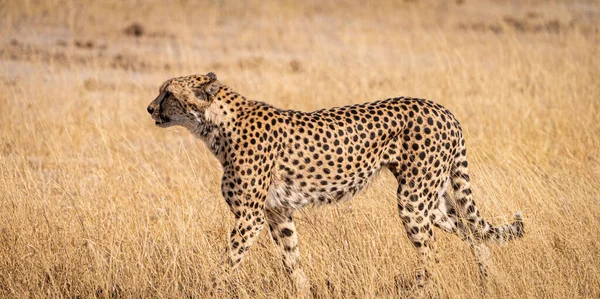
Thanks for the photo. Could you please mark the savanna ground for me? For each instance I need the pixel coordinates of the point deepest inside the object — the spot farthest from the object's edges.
(96, 201)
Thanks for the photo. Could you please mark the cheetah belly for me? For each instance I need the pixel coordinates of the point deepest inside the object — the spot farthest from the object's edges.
(285, 192)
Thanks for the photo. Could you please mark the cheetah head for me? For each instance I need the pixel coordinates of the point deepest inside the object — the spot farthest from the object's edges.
(183, 101)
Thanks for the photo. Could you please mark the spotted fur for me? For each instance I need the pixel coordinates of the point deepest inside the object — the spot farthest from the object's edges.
(277, 161)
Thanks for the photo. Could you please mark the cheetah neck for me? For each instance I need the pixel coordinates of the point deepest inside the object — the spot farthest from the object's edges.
(210, 133)
(223, 109)
(217, 120)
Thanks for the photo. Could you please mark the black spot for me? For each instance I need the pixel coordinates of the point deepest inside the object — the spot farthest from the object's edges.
(471, 209)
(287, 232)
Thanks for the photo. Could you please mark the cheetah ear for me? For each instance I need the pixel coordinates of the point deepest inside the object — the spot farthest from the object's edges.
(212, 87)
(212, 76)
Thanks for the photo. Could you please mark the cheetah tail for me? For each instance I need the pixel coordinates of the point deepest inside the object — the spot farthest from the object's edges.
(475, 225)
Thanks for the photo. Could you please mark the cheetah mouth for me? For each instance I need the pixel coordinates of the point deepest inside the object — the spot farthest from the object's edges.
(162, 121)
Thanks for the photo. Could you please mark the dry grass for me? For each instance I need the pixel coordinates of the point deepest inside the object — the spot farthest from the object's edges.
(95, 201)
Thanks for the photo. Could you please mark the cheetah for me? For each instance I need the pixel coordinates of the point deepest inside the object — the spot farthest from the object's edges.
(277, 161)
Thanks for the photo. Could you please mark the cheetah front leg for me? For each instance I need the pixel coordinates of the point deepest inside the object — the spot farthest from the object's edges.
(245, 193)
(283, 232)
(249, 223)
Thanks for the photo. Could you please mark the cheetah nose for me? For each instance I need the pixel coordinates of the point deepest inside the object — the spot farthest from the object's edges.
(150, 110)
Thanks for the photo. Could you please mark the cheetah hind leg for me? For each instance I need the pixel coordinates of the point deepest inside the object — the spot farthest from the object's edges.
(445, 218)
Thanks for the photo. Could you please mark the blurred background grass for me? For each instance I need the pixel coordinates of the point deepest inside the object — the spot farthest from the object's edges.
(95, 201)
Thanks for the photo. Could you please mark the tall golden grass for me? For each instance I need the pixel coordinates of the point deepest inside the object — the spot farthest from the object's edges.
(97, 202)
